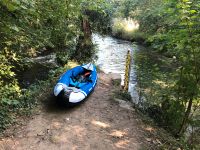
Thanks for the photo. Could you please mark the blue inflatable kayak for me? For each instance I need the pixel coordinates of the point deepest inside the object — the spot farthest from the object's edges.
(77, 83)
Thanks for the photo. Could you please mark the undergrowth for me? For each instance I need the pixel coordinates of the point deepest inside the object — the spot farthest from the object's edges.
(158, 138)
(25, 104)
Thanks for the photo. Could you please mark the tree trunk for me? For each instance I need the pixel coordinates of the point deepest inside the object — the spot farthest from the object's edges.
(185, 119)
(84, 46)
(86, 29)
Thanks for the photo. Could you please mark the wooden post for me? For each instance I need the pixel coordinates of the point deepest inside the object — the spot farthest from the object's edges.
(127, 71)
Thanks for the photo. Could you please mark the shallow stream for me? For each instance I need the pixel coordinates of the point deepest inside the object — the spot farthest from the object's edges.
(111, 54)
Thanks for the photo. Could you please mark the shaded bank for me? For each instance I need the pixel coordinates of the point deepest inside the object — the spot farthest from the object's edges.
(111, 53)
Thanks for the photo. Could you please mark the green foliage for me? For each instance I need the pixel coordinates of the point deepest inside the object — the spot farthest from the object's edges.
(62, 58)
(100, 22)
(24, 104)
(27, 28)
(156, 90)
(5, 118)
(173, 112)
(99, 15)
(172, 28)
(85, 50)
(9, 88)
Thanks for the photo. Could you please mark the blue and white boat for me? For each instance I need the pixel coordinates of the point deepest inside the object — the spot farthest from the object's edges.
(76, 84)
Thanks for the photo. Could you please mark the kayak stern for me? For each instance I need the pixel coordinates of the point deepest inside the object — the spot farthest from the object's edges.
(76, 97)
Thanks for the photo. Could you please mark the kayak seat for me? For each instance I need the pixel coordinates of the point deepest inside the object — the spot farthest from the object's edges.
(76, 83)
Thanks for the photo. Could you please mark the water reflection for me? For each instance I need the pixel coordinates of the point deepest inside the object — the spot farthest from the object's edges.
(112, 57)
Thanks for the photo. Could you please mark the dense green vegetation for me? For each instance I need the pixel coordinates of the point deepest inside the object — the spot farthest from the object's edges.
(172, 29)
(169, 82)
(28, 28)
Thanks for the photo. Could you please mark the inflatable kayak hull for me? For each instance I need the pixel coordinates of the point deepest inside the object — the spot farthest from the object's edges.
(73, 86)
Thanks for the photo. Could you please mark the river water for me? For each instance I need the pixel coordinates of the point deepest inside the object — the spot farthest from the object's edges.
(111, 54)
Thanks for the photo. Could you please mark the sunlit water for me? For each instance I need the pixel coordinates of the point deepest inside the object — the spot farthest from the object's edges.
(112, 58)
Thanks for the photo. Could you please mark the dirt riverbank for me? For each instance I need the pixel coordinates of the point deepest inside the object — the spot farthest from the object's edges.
(97, 124)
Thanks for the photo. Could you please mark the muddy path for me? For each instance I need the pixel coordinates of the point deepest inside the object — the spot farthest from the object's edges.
(98, 124)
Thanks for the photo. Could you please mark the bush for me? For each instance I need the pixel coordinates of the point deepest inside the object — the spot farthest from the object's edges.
(62, 58)
(85, 51)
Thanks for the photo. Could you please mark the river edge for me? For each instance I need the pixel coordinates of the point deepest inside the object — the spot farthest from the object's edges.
(121, 103)
(43, 123)
(46, 108)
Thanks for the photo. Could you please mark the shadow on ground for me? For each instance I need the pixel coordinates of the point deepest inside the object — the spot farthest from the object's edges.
(53, 105)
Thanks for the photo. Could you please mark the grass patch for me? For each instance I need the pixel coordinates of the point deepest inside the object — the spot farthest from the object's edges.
(120, 94)
(116, 82)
